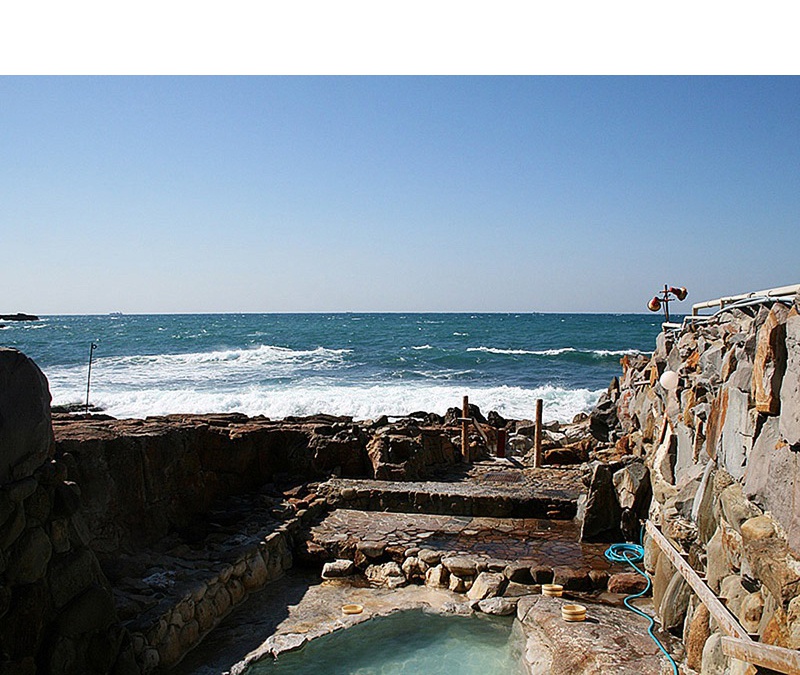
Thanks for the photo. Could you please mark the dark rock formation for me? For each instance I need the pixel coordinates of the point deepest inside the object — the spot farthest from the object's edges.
(601, 517)
(604, 416)
(19, 316)
(57, 612)
(26, 435)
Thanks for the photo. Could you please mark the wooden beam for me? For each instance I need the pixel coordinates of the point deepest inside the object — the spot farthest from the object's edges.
(481, 432)
(727, 621)
(777, 658)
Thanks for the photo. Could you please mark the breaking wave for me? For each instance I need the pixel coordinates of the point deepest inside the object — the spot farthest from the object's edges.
(360, 401)
(600, 353)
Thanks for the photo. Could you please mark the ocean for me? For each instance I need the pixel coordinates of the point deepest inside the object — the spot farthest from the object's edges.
(362, 365)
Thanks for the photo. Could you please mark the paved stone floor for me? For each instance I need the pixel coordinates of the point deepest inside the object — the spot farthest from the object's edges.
(528, 541)
(498, 477)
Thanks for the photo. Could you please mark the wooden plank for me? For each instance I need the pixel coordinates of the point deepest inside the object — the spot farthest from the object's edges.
(777, 658)
(727, 621)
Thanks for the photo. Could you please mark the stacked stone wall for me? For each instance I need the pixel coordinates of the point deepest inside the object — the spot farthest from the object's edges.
(141, 479)
(723, 449)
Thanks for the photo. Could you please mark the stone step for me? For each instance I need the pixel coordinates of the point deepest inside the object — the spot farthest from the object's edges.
(496, 494)
(369, 537)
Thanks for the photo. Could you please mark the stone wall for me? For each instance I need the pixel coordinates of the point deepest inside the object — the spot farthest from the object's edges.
(57, 612)
(723, 449)
(141, 479)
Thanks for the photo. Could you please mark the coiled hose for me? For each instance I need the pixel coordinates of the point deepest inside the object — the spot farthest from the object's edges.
(631, 554)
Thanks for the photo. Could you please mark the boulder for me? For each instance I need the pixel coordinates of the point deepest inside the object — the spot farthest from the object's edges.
(26, 432)
(735, 507)
(497, 606)
(770, 361)
(29, 558)
(714, 661)
(684, 453)
(572, 579)
(518, 573)
(770, 559)
(790, 387)
(337, 569)
(603, 418)
(388, 575)
(751, 611)
(487, 584)
(771, 480)
(702, 508)
(437, 577)
(460, 565)
(91, 611)
(698, 631)
(632, 485)
(601, 518)
(542, 574)
(626, 583)
(737, 433)
(675, 602)
(733, 592)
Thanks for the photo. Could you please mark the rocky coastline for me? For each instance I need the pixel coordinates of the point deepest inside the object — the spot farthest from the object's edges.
(143, 536)
(19, 316)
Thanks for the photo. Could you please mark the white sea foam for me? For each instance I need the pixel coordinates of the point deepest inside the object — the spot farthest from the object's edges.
(361, 401)
(555, 352)
(522, 352)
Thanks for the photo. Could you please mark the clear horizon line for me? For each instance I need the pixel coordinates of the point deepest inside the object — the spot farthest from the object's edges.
(393, 311)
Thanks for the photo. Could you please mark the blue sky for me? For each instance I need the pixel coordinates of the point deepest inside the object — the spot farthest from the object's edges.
(193, 194)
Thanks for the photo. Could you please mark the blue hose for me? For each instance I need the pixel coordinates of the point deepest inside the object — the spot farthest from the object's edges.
(631, 554)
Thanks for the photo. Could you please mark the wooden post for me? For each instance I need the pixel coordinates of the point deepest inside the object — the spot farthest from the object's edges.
(537, 437)
(465, 430)
(501, 442)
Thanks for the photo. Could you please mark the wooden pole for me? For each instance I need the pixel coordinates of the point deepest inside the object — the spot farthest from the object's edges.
(465, 430)
(537, 438)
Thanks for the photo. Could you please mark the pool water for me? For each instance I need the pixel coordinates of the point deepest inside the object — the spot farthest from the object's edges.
(409, 642)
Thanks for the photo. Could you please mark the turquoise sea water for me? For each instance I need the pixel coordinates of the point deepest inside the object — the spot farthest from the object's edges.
(406, 643)
(362, 365)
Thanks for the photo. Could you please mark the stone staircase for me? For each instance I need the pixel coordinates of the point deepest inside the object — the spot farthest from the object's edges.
(495, 517)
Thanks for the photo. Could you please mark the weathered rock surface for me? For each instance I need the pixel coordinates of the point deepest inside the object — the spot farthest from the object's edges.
(609, 641)
(790, 386)
(601, 518)
(57, 612)
(770, 362)
(26, 434)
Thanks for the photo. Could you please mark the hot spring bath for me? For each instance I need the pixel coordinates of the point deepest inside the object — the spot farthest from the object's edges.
(407, 642)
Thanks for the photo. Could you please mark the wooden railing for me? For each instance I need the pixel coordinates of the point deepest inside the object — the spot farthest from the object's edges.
(737, 643)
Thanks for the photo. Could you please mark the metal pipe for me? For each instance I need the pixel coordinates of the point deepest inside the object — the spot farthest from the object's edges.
(768, 293)
(89, 375)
